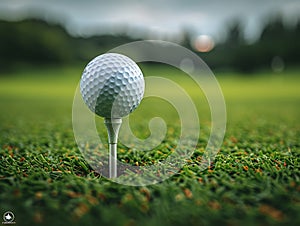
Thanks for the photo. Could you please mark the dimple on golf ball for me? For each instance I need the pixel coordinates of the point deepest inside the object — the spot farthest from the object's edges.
(112, 85)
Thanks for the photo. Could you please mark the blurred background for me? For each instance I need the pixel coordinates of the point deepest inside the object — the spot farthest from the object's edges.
(244, 36)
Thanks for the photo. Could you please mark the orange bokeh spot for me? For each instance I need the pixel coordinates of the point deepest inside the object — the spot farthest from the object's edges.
(203, 43)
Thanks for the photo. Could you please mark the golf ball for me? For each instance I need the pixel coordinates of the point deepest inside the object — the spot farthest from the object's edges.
(112, 85)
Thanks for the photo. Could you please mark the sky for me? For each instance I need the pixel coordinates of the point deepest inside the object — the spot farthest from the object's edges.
(160, 19)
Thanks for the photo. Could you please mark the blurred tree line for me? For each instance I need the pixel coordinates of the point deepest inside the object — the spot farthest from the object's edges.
(277, 46)
(35, 42)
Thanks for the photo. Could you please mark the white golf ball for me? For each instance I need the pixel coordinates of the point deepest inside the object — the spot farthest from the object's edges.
(112, 85)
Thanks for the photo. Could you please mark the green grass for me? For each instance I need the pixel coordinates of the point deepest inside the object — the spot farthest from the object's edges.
(254, 179)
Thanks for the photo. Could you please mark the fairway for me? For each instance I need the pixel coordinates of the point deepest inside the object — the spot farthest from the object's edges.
(255, 178)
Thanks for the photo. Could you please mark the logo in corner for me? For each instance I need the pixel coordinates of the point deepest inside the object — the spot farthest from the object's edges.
(8, 218)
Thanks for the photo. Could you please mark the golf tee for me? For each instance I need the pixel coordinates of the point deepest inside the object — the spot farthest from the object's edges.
(113, 126)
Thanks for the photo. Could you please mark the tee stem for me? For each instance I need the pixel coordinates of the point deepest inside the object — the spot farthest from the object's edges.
(113, 126)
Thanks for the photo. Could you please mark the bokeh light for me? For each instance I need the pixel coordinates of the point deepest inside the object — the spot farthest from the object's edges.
(203, 43)
(277, 64)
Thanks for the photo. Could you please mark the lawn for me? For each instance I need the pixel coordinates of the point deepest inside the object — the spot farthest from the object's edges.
(254, 180)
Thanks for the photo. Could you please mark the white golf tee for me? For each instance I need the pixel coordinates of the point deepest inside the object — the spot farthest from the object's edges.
(113, 126)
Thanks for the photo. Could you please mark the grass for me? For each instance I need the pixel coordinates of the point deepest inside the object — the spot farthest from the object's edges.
(254, 179)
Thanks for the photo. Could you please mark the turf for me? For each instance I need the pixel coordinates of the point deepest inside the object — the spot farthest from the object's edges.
(254, 179)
